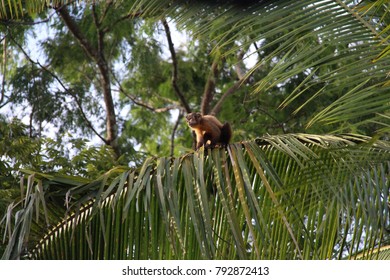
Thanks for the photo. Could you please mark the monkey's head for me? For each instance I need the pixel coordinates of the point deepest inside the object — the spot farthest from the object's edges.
(193, 119)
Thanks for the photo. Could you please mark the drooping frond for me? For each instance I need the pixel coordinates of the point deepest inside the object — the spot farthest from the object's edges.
(279, 197)
(335, 44)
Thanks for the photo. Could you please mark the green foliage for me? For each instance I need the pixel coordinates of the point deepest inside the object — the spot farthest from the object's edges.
(279, 197)
(19, 151)
(313, 64)
(320, 67)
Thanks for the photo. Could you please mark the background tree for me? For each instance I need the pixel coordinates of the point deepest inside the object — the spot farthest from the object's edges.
(106, 72)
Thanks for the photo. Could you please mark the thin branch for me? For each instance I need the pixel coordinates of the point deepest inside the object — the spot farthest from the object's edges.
(9, 100)
(243, 78)
(100, 33)
(108, 7)
(89, 124)
(79, 105)
(8, 22)
(138, 102)
(96, 54)
(72, 26)
(217, 108)
(125, 17)
(31, 121)
(278, 123)
(95, 16)
(175, 68)
(209, 87)
(146, 105)
(257, 49)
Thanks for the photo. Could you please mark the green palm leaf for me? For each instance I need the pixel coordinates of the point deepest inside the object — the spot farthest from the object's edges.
(279, 197)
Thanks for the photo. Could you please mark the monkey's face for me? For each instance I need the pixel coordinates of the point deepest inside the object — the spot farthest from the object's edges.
(193, 119)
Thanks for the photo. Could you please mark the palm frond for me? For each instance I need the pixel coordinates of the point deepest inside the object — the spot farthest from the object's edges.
(11, 10)
(331, 42)
(278, 197)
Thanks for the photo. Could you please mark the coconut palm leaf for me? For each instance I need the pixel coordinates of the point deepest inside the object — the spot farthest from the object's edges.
(279, 197)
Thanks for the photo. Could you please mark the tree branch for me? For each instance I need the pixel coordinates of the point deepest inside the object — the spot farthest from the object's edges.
(176, 88)
(79, 105)
(100, 40)
(242, 79)
(73, 28)
(97, 55)
(125, 17)
(217, 108)
(209, 88)
(108, 7)
(141, 103)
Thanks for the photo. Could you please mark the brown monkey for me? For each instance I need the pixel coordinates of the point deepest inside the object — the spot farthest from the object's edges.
(209, 128)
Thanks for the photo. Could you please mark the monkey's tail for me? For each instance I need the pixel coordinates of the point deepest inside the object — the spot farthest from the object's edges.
(226, 133)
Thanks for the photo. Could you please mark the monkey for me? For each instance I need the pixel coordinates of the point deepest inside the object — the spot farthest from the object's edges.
(209, 128)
